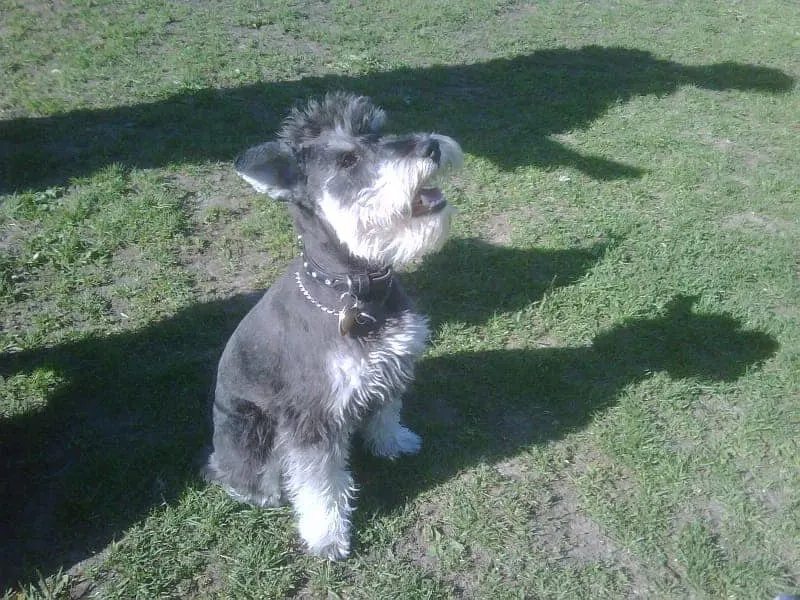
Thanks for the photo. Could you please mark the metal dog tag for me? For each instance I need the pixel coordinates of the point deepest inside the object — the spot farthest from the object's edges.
(347, 318)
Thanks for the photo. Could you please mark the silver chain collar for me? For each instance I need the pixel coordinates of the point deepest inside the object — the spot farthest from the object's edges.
(310, 298)
(349, 315)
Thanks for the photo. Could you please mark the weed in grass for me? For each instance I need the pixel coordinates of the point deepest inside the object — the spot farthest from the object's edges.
(55, 587)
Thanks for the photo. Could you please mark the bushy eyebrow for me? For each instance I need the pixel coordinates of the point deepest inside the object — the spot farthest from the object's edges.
(341, 143)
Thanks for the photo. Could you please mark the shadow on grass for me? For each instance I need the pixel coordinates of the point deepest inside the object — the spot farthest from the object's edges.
(482, 407)
(470, 280)
(123, 431)
(504, 109)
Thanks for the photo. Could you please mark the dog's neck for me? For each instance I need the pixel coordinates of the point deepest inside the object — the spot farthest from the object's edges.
(328, 262)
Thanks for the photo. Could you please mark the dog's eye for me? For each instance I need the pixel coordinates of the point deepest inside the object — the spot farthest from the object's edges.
(347, 160)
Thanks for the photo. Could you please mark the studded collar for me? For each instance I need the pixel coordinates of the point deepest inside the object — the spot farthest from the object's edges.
(359, 290)
(363, 285)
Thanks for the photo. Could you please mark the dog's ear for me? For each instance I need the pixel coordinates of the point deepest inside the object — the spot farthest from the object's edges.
(271, 169)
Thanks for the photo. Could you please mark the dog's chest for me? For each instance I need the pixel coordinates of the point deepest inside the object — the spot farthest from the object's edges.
(364, 375)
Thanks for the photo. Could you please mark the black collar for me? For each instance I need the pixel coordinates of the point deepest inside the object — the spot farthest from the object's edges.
(363, 285)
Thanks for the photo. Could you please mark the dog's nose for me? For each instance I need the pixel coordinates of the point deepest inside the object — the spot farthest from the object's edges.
(430, 149)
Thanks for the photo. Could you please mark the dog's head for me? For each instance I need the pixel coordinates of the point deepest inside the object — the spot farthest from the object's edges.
(375, 192)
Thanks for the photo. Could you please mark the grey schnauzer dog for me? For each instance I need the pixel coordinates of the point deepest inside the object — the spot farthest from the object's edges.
(329, 349)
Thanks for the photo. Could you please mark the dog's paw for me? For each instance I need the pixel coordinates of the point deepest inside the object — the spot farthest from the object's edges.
(335, 550)
(401, 441)
(330, 541)
(259, 500)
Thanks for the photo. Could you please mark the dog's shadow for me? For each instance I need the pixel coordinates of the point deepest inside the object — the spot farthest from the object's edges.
(469, 280)
(486, 406)
(126, 416)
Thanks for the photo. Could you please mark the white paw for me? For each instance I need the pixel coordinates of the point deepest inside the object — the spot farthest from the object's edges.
(401, 441)
(329, 540)
(334, 550)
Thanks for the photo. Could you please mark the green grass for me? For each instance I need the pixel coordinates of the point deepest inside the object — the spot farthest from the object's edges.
(611, 399)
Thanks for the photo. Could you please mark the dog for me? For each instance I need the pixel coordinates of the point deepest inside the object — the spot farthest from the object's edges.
(329, 349)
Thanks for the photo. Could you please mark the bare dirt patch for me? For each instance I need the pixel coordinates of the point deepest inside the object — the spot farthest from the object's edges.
(756, 223)
(562, 526)
(12, 236)
(416, 544)
(565, 529)
(515, 468)
(787, 310)
(499, 229)
(517, 8)
(252, 36)
(216, 187)
(747, 156)
(216, 277)
(220, 260)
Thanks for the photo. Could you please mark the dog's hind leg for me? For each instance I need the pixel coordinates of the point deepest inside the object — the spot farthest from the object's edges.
(244, 461)
(384, 434)
(320, 488)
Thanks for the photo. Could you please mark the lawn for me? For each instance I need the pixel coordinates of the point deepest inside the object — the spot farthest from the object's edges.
(610, 404)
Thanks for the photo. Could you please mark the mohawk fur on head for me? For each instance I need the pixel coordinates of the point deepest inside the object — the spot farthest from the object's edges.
(353, 115)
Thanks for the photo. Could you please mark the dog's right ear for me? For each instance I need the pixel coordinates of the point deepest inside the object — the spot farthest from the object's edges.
(271, 169)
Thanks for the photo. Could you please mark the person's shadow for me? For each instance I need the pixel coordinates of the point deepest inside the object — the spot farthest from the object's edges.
(505, 110)
(126, 417)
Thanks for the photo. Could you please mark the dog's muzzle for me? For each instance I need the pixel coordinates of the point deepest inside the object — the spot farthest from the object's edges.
(446, 155)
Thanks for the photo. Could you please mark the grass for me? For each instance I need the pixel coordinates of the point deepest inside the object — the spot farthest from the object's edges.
(610, 400)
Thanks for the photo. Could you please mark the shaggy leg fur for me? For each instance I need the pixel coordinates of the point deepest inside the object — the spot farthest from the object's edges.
(385, 436)
(243, 461)
(320, 489)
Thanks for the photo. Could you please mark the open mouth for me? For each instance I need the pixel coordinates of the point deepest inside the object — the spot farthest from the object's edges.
(429, 198)
(427, 201)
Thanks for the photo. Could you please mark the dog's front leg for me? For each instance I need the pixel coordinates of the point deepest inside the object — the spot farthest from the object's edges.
(320, 488)
(386, 436)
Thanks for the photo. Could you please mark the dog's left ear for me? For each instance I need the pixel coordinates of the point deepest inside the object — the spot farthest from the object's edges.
(271, 169)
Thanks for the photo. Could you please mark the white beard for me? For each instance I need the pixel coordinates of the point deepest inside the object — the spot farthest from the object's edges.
(379, 227)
